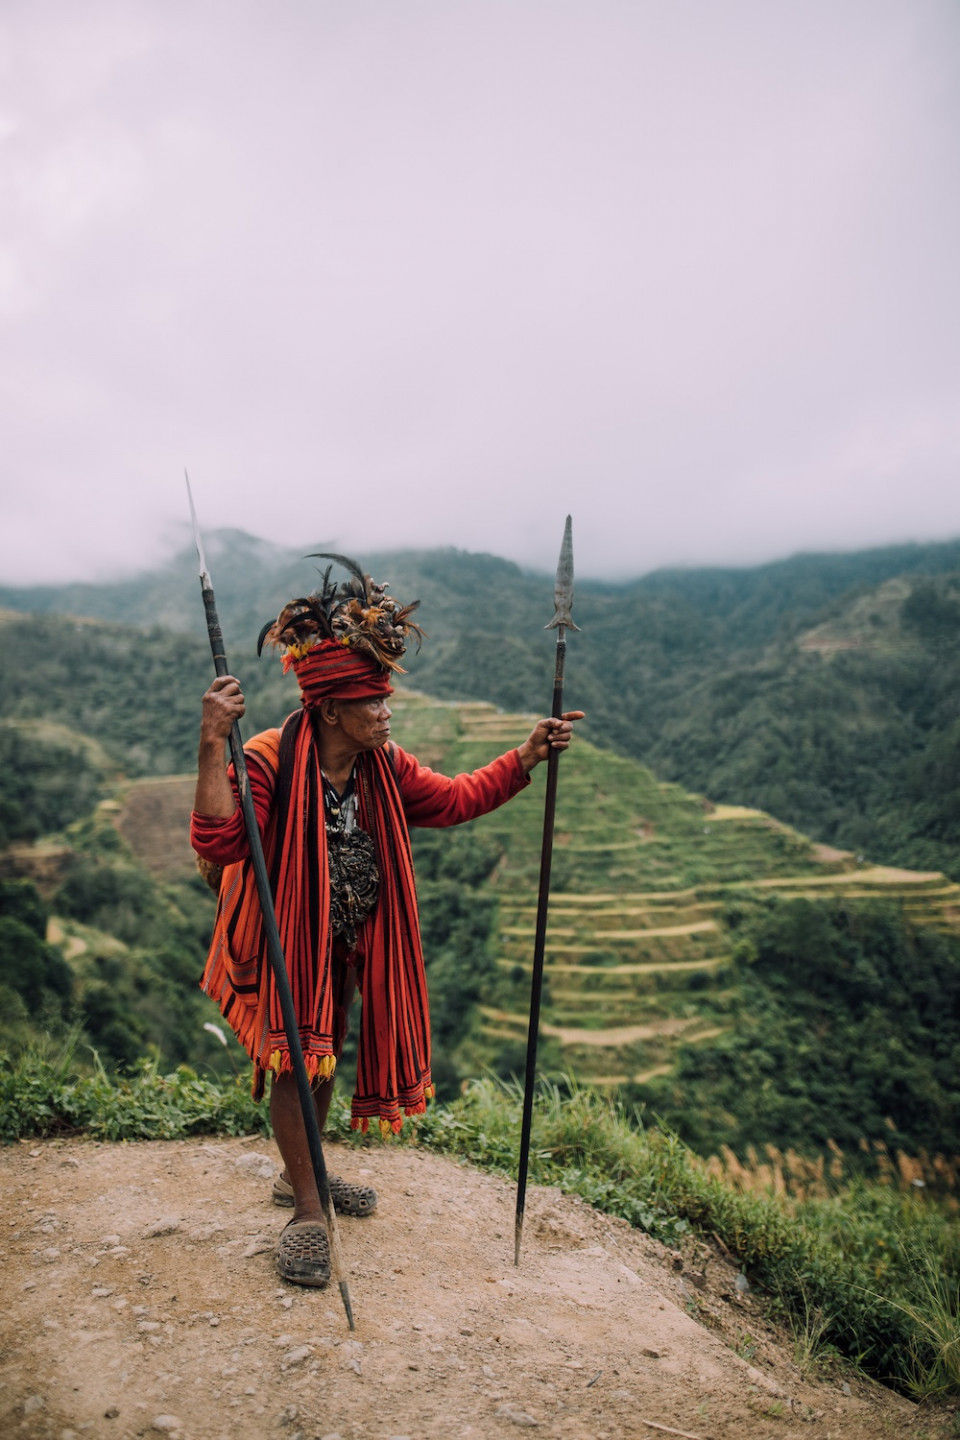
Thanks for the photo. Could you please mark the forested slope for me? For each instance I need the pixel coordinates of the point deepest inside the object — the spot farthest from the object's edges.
(822, 688)
(663, 974)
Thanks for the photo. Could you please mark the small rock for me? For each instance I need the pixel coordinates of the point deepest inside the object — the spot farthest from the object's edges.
(515, 1415)
(69, 1163)
(207, 1232)
(34, 1154)
(49, 1257)
(631, 1276)
(259, 1245)
(845, 1387)
(33, 1403)
(296, 1356)
(167, 1423)
(29, 1285)
(651, 1354)
(742, 1285)
(148, 1327)
(259, 1165)
(107, 1240)
(111, 1414)
(765, 1382)
(100, 1292)
(167, 1226)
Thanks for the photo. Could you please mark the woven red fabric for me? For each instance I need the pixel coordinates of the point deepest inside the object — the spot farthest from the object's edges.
(393, 1074)
(393, 1067)
(331, 670)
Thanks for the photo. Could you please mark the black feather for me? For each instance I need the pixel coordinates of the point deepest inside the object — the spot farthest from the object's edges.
(343, 560)
(263, 635)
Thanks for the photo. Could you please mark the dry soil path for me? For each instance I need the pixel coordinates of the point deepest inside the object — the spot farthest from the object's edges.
(141, 1300)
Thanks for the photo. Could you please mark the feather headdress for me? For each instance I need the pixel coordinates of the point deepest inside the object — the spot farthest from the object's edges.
(357, 613)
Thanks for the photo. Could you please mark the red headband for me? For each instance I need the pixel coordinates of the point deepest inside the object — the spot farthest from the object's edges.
(331, 670)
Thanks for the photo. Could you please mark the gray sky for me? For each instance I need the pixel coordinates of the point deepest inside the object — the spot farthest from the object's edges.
(415, 272)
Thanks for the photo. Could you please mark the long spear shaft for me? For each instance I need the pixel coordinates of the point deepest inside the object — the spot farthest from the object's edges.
(562, 620)
(272, 934)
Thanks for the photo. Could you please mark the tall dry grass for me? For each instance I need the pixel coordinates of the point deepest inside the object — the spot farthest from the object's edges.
(790, 1175)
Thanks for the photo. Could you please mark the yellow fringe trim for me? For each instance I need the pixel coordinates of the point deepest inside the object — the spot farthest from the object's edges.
(319, 1067)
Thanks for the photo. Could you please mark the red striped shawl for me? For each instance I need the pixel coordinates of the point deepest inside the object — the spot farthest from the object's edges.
(393, 1070)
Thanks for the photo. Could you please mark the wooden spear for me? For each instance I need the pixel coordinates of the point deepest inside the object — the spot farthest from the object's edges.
(274, 945)
(561, 622)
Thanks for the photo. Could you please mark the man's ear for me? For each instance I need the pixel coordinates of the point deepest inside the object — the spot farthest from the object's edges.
(329, 712)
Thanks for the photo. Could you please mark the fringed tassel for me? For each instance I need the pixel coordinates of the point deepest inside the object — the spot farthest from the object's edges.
(393, 1125)
(319, 1067)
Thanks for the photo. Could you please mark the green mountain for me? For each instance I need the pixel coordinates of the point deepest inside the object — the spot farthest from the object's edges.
(820, 689)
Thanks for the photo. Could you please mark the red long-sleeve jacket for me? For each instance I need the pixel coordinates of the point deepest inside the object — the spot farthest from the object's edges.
(429, 800)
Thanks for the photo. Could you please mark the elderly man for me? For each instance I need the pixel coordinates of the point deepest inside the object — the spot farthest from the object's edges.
(334, 798)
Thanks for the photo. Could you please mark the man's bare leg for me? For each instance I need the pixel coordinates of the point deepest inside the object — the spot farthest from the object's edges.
(290, 1133)
(286, 1116)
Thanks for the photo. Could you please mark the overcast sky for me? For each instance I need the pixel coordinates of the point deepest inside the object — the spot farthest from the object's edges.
(393, 273)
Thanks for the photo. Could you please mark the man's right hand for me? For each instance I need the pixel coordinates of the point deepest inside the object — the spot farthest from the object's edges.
(223, 705)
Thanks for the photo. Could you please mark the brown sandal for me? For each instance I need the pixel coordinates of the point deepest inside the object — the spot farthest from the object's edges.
(303, 1256)
(348, 1199)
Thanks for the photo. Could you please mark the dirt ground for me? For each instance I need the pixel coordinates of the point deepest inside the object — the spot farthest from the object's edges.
(141, 1300)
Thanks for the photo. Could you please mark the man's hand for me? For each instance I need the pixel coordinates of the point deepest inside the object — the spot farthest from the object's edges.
(222, 705)
(549, 734)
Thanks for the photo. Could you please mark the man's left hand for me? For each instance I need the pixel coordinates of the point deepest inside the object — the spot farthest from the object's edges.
(549, 734)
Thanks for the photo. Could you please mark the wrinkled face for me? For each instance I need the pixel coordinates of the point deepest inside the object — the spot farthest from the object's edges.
(365, 723)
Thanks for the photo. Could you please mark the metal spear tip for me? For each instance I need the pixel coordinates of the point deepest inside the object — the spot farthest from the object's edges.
(563, 588)
(204, 572)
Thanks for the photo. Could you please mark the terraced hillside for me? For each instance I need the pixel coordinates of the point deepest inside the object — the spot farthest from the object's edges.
(640, 954)
(638, 951)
